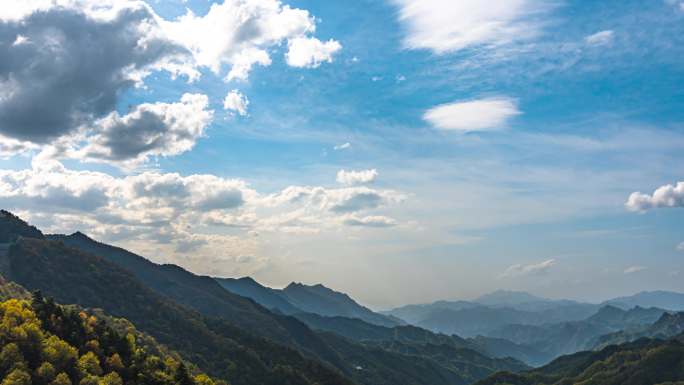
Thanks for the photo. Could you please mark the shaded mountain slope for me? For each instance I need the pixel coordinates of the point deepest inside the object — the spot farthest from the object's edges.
(667, 326)
(218, 345)
(73, 276)
(638, 363)
(667, 300)
(415, 365)
(501, 348)
(300, 298)
(265, 296)
(205, 295)
(470, 322)
(569, 337)
(321, 300)
(481, 348)
(13, 227)
(470, 319)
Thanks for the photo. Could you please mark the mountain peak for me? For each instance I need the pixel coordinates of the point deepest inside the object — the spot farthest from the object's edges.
(12, 227)
(508, 297)
(610, 310)
(248, 281)
(294, 285)
(80, 235)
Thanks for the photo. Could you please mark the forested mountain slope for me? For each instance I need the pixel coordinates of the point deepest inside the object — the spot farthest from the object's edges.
(219, 345)
(668, 325)
(643, 362)
(51, 344)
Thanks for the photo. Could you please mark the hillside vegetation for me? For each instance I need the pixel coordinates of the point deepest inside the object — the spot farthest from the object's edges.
(45, 343)
(643, 362)
(211, 327)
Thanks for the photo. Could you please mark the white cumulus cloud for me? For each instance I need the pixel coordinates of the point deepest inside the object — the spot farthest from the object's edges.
(473, 115)
(185, 211)
(239, 34)
(667, 196)
(236, 102)
(309, 52)
(45, 44)
(356, 177)
(151, 129)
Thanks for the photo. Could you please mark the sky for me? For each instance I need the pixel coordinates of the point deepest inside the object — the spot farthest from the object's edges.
(401, 151)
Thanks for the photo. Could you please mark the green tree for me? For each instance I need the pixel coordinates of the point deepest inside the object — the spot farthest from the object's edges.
(17, 377)
(10, 358)
(89, 364)
(61, 379)
(59, 353)
(111, 379)
(46, 372)
(203, 379)
(90, 380)
(114, 362)
(183, 376)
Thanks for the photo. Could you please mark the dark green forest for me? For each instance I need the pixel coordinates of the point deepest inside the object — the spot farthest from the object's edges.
(643, 362)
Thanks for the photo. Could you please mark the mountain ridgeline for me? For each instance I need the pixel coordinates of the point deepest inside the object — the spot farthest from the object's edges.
(300, 298)
(227, 336)
(536, 330)
(129, 320)
(642, 362)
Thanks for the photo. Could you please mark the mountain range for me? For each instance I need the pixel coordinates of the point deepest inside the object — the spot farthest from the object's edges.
(300, 298)
(242, 332)
(667, 326)
(642, 362)
(226, 335)
(501, 324)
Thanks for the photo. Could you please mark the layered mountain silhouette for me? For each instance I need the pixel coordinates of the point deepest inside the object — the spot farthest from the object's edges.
(534, 329)
(300, 298)
(270, 298)
(668, 325)
(226, 335)
(640, 362)
(661, 299)
(555, 339)
(470, 319)
(243, 332)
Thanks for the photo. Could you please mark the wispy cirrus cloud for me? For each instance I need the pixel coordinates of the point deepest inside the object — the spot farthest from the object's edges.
(451, 25)
(519, 270)
(600, 38)
(634, 269)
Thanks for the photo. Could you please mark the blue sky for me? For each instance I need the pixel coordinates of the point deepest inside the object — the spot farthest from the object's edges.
(506, 142)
